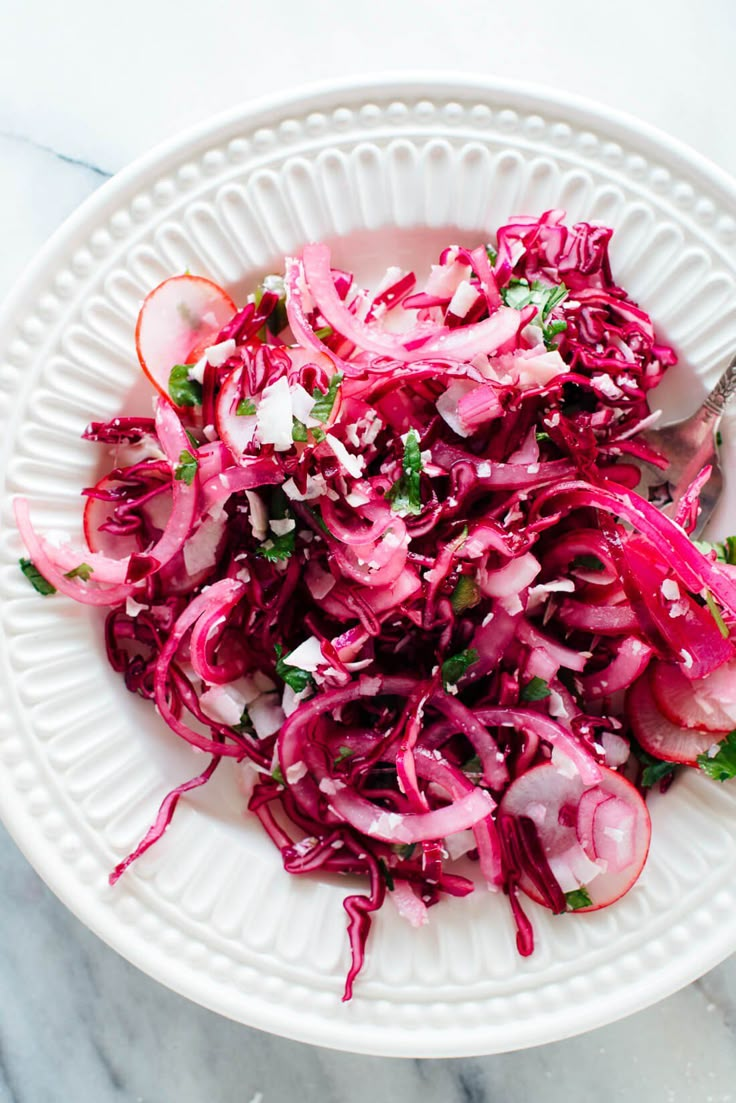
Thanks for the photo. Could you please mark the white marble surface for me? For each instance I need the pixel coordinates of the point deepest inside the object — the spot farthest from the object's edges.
(84, 88)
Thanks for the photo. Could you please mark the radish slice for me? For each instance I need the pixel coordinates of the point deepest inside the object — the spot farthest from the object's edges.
(658, 735)
(573, 846)
(690, 704)
(181, 315)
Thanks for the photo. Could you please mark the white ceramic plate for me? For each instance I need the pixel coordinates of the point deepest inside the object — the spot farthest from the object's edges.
(389, 172)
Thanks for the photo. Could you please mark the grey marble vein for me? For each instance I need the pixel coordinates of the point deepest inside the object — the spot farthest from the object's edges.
(25, 139)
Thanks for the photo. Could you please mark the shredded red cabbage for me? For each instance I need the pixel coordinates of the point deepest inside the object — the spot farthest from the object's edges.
(385, 551)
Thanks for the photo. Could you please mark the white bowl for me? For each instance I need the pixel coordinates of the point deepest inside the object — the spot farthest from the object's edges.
(388, 172)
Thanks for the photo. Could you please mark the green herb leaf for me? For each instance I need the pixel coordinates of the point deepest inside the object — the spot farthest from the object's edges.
(318, 435)
(342, 754)
(245, 408)
(491, 254)
(545, 297)
(587, 563)
(719, 438)
(387, 875)
(721, 766)
(549, 332)
(542, 437)
(725, 551)
(294, 676)
(83, 572)
(277, 775)
(183, 390)
(277, 319)
(277, 548)
(654, 769)
(187, 468)
(40, 584)
(454, 667)
(578, 898)
(465, 595)
(535, 690)
(299, 431)
(323, 332)
(405, 851)
(473, 765)
(715, 612)
(405, 495)
(325, 400)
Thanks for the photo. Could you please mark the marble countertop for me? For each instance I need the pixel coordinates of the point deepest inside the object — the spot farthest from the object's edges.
(84, 88)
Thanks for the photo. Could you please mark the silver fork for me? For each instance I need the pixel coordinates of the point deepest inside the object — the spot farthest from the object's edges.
(688, 446)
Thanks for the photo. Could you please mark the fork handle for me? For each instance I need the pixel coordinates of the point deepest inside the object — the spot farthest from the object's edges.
(722, 393)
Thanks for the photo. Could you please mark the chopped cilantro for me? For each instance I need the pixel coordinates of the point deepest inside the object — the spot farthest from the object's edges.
(277, 548)
(245, 408)
(187, 468)
(545, 297)
(387, 875)
(325, 400)
(277, 319)
(342, 754)
(405, 494)
(542, 437)
(83, 572)
(277, 775)
(654, 769)
(725, 551)
(40, 584)
(465, 595)
(587, 563)
(183, 390)
(192, 439)
(323, 332)
(294, 676)
(473, 765)
(535, 690)
(298, 431)
(318, 435)
(491, 254)
(454, 667)
(578, 898)
(722, 765)
(719, 438)
(715, 612)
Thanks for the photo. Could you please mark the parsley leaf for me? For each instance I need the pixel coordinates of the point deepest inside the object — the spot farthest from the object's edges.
(277, 548)
(465, 595)
(545, 297)
(542, 436)
(725, 551)
(715, 612)
(491, 254)
(323, 332)
(245, 408)
(83, 572)
(325, 400)
(299, 431)
(187, 468)
(587, 563)
(721, 766)
(40, 584)
(405, 495)
(535, 690)
(473, 765)
(294, 676)
(654, 770)
(343, 753)
(277, 775)
(578, 898)
(454, 667)
(387, 875)
(183, 390)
